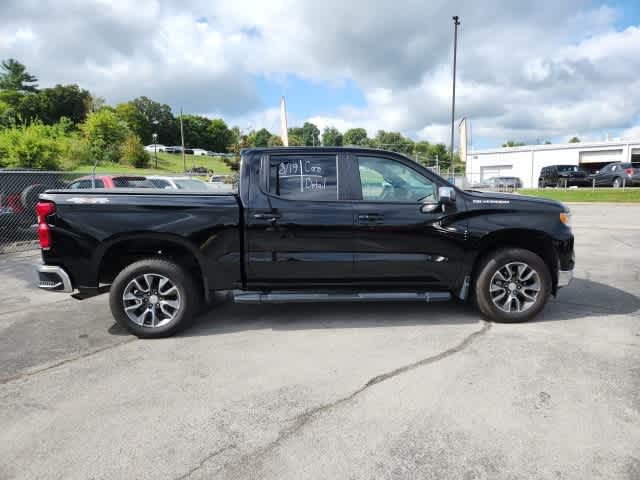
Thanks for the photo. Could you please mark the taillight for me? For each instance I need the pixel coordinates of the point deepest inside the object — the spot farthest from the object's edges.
(629, 171)
(43, 210)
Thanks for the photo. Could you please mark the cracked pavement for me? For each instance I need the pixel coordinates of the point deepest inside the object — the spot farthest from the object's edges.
(333, 391)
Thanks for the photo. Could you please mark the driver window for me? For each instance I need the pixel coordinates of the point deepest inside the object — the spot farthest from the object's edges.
(385, 180)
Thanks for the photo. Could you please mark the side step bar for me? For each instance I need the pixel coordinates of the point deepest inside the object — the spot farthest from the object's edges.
(303, 297)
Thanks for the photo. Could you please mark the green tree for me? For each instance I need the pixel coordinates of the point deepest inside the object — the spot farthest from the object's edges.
(221, 137)
(139, 124)
(393, 141)
(51, 104)
(355, 136)
(261, 138)
(331, 137)
(133, 153)
(295, 140)
(512, 143)
(297, 131)
(310, 134)
(275, 141)
(167, 128)
(105, 133)
(196, 131)
(574, 140)
(14, 76)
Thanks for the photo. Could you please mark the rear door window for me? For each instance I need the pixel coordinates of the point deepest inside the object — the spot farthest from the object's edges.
(304, 177)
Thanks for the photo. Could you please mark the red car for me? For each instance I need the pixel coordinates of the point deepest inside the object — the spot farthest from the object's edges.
(111, 181)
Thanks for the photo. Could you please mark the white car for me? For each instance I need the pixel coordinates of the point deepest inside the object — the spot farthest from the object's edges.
(178, 183)
(155, 147)
(219, 183)
(199, 151)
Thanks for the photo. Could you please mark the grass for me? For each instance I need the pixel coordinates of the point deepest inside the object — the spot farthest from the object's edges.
(167, 163)
(617, 195)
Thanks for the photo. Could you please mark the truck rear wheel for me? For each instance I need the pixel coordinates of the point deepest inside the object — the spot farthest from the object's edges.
(512, 285)
(154, 298)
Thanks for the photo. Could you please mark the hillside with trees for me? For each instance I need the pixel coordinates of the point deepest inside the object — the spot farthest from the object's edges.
(66, 127)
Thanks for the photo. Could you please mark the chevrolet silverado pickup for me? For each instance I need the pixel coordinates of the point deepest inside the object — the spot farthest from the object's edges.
(306, 225)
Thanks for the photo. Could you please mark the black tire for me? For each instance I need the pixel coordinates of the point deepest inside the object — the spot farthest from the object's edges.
(540, 183)
(497, 260)
(617, 182)
(188, 289)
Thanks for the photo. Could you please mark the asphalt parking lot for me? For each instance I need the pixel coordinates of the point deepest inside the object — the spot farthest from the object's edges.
(333, 391)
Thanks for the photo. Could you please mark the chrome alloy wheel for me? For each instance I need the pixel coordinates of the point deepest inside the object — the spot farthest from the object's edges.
(515, 287)
(151, 300)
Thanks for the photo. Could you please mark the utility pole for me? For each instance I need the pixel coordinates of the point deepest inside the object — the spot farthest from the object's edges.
(456, 22)
(184, 159)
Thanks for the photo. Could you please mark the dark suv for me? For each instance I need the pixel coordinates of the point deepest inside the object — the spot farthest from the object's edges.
(618, 174)
(561, 176)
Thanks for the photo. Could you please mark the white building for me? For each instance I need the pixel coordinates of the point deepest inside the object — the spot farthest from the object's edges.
(527, 161)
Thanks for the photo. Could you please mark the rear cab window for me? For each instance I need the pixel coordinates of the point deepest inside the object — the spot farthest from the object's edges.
(304, 177)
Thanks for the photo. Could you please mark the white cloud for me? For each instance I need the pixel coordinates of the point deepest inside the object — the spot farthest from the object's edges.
(526, 69)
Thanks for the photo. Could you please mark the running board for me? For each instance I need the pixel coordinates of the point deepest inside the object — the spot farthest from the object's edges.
(302, 297)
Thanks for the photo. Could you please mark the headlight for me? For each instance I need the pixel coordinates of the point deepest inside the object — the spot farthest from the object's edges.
(565, 217)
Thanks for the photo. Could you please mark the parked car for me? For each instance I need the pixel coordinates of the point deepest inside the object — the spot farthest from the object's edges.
(178, 183)
(174, 149)
(504, 183)
(562, 175)
(199, 151)
(617, 174)
(221, 183)
(155, 148)
(110, 181)
(389, 229)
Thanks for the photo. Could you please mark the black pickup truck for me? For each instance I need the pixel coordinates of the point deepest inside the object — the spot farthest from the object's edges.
(307, 225)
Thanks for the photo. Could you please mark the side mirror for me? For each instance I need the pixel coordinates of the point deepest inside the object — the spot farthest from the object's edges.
(447, 195)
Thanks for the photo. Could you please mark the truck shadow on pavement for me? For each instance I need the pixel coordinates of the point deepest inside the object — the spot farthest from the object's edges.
(583, 298)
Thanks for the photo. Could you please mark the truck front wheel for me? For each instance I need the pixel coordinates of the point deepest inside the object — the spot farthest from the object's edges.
(154, 298)
(512, 285)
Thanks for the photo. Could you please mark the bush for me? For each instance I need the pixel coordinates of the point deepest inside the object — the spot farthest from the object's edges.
(232, 162)
(34, 146)
(106, 134)
(133, 153)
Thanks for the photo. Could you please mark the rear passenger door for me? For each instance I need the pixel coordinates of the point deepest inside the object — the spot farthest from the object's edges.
(299, 225)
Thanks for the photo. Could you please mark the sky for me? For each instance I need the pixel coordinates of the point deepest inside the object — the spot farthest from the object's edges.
(527, 71)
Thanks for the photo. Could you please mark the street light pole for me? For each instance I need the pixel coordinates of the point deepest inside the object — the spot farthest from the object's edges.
(154, 137)
(456, 22)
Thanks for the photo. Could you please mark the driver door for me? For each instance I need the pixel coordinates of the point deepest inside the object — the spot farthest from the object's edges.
(395, 241)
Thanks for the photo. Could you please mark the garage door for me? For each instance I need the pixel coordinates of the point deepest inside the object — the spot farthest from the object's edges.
(495, 171)
(601, 156)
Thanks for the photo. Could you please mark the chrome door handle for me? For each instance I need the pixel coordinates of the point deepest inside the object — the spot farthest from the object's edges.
(370, 217)
(271, 217)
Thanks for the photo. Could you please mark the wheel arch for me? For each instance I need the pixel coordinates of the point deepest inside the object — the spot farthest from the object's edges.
(536, 241)
(115, 254)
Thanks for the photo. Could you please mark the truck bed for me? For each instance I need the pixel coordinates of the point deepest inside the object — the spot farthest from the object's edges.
(89, 224)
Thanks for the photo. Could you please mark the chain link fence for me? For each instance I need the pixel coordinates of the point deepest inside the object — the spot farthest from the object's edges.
(19, 191)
